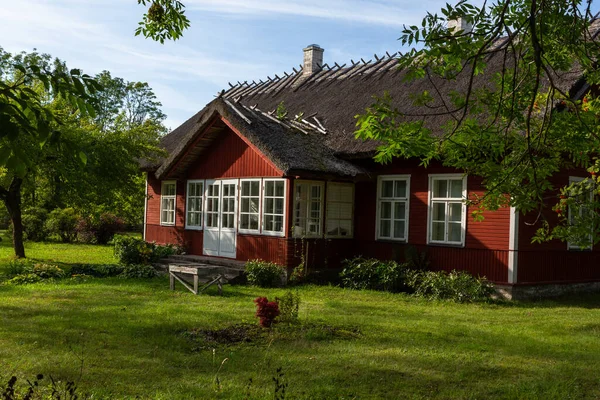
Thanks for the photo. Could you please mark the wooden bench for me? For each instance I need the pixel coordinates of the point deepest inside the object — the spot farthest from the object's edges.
(207, 274)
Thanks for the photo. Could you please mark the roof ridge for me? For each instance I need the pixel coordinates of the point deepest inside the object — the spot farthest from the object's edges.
(326, 74)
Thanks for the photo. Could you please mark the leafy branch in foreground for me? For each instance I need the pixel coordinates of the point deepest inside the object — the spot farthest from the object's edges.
(164, 20)
(507, 97)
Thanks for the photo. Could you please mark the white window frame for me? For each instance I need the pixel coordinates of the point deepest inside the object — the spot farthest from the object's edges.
(187, 204)
(447, 200)
(327, 201)
(310, 185)
(573, 179)
(174, 197)
(264, 199)
(260, 206)
(380, 199)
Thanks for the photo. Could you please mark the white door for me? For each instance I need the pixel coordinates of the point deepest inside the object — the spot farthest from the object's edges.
(220, 226)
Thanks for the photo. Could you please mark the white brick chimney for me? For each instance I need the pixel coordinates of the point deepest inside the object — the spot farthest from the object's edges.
(313, 59)
(459, 24)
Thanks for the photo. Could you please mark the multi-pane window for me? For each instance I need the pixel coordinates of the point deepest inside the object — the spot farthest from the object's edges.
(228, 204)
(168, 196)
(273, 206)
(195, 194)
(250, 205)
(308, 208)
(446, 209)
(212, 205)
(392, 205)
(577, 213)
(340, 209)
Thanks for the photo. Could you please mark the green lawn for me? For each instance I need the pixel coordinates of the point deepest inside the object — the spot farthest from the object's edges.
(123, 338)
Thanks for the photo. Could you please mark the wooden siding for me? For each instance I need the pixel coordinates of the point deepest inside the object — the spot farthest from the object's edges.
(319, 253)
(269, 248)
(486, 243)
(552, 262)
(230, 157)
(153, 208)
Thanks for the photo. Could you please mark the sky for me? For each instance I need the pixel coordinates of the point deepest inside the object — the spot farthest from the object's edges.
(229, 40)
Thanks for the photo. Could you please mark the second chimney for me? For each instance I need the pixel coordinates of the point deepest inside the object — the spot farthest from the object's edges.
(313, 59)
(459, 24)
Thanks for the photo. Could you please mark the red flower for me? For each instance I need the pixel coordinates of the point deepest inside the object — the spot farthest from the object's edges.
(266, 311)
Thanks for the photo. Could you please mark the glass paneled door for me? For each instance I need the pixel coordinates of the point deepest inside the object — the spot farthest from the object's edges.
(220, 218)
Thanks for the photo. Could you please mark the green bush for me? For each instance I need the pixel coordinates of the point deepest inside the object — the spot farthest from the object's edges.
(23, 279)
(370, 273)
(289, 305)
(97, 271)
(129, 250)
(457, 286)
(63, 223)
(48, 271)
(26, 271)
(264, 274)
(133, 271)
(18, 266)
(34, 224)
(99, 228)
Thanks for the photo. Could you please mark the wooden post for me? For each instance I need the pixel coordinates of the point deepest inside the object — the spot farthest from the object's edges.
(172, 281)
(196, 284)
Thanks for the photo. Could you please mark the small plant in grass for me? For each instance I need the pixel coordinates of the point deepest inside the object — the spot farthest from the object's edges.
(266, 311)
(370, 273)
(457, 286)
(264, 274)
(18, 266)
(289, 305)
(27, 271)
(23, 279)
(48, 271)
(37, 390)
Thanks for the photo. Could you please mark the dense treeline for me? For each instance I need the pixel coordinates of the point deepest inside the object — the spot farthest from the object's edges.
(89, 161)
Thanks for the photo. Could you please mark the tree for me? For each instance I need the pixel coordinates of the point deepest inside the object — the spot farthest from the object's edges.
(27, 123)
(510, 117)
(164, 20)
(125, 129)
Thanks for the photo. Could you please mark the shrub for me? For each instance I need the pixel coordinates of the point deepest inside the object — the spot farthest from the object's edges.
(23, 267)
(130, 250)
(48, 271)
(264, 274)
(97, 271)
(63, 222)
(18, 266)
(99, 229)
(34, 224)
(458, 286)
(134, 271)
(370, 273)
(23, 279)
(289, 305)
(266, 311)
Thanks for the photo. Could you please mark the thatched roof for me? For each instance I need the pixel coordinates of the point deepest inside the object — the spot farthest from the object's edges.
(324, 105)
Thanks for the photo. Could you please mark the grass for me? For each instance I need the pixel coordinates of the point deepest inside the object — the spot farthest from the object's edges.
(125, 338)
(59, 253)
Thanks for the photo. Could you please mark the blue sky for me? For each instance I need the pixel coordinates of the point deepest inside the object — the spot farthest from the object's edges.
(229, 40)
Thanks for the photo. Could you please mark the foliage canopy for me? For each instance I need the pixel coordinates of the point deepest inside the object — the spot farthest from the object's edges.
(521, 113)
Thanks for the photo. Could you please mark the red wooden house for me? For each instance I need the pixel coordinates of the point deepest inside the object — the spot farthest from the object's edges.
(294, 184)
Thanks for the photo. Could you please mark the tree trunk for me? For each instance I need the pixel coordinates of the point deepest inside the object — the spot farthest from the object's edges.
(12, 200)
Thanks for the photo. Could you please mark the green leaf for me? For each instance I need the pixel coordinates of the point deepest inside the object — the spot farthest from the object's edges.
(83, 157)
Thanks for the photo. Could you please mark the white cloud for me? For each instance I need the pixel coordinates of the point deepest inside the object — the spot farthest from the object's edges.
(389, 13)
